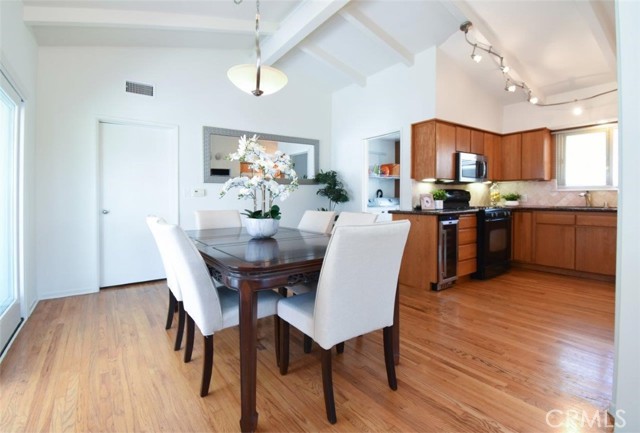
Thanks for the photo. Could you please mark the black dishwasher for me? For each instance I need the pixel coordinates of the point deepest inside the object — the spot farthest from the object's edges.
(447, 252)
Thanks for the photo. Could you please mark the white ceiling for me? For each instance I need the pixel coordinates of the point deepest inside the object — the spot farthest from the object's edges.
(554, 46)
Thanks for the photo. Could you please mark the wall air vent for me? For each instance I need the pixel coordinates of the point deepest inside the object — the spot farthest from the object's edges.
(139, 88)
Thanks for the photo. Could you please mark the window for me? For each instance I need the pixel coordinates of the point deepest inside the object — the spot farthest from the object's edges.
(588, 158)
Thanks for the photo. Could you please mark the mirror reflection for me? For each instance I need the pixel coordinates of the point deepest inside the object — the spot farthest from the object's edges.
(220, 142)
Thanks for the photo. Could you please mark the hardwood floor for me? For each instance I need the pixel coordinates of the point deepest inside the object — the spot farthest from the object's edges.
(483, 356)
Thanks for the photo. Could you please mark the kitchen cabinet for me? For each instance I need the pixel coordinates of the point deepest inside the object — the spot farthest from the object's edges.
(510, 157)
(578, 243)
(433, 147)
(491, 144)
(536, 155)
(467, 244)
(477, 141)
(554, 239)
(596, 243)
(522, 237)
(420, 259)
(463, 139)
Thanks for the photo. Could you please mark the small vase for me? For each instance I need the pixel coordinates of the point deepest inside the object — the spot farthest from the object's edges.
(260, 228)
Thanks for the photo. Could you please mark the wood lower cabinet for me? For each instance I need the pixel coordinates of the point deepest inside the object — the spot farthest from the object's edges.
(596, 243)
(579, 242)
(420, 260)
(467, 244)
(522, 237)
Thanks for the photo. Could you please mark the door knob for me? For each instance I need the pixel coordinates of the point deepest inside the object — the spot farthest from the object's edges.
(105, 211)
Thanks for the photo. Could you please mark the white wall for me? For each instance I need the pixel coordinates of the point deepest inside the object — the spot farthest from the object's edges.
(459, 99)
(626, 394)
(391, 101)
(19, 58)
(78, 86)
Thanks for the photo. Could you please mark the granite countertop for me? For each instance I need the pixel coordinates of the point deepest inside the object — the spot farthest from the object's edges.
(513, 208)
(563, 208)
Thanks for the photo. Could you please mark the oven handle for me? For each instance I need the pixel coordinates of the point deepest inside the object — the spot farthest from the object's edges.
(442, 254)
(497, 220)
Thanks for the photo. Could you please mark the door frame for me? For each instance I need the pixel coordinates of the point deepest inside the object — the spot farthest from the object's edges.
(174, 128)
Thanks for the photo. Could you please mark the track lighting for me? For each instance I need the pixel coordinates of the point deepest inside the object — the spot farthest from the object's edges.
(511, 84)
(476, 57)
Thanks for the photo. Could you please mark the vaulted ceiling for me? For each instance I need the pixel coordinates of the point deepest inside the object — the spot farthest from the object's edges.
(553, 46)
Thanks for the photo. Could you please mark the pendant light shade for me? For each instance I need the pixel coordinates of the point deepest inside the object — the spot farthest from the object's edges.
(257, 79)
(244, 78)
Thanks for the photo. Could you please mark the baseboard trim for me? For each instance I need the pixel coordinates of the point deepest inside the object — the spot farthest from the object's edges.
(569, 272)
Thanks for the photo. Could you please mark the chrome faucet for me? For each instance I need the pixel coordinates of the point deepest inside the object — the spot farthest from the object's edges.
(587, 198)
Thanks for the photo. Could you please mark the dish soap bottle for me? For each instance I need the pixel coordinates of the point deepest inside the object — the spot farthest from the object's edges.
(494, 194)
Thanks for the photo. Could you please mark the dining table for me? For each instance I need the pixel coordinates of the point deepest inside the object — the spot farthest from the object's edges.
(250, 265)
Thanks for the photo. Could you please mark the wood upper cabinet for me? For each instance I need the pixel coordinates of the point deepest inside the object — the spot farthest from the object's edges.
(463, 139)
(536, 155)
(492, 153)
(596, 243)
(510, 157)
(555, 239)
(477, 141)
(433, 147)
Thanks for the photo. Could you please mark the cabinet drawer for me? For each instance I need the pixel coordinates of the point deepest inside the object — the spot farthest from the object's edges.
(597, 220)
(466, 252)
(555, 218)
(467, 222)
(467, 236)
(466, 267)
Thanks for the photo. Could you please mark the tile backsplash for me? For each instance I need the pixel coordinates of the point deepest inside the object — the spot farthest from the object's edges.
(543, 193)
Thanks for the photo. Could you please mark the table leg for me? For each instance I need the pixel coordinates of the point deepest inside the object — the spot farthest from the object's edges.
(396, 327)
(248, 351)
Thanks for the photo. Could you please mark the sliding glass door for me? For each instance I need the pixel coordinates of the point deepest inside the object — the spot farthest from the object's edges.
(9, 145)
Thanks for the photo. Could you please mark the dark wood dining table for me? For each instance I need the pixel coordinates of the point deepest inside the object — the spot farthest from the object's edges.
(250, 265)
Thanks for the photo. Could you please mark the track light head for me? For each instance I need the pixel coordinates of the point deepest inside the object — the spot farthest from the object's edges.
(476, 57)
(510, 86)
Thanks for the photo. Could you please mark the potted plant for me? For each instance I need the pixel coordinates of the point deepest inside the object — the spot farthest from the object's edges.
(334, 189)
(264, 220)
(511, 199)
(438, 197)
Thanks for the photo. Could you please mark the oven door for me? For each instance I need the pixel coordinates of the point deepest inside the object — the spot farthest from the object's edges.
(494, 247)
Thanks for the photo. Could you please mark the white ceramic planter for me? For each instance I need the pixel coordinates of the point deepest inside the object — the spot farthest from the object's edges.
(511, 203)
(260, 228)
(439, 204)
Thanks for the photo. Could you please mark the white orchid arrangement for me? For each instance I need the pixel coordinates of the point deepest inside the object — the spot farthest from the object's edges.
(262, 185)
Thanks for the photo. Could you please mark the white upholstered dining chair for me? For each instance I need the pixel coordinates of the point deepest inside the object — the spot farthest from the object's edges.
(317, 221)
(354, 296)
(211, 309)
(217, 219)
(175, 295)
(354, 218)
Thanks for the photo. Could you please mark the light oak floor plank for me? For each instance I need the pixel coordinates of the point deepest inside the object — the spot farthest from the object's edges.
(483, 356)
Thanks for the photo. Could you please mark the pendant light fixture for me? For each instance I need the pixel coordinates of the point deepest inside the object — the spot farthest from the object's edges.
(256, 78)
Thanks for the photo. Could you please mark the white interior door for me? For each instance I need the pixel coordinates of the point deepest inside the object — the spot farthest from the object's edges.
(139, 177)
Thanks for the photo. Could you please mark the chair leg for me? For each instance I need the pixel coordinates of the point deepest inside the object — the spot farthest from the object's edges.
(327, 386)
(387, 335)
(172, 309)
(340, 347)
(188, 350)
(307, 343)
(207, 366)
(180, 330)
(284, 347)
(276, 333)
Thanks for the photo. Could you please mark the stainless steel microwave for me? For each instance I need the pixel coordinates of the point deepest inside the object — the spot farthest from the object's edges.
(471, 167)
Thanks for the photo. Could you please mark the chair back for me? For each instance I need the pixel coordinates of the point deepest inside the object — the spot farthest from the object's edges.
(358, 281)
(217, 219)
(200, 298)
(354, 219)
(317, 221)
(152, 222)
